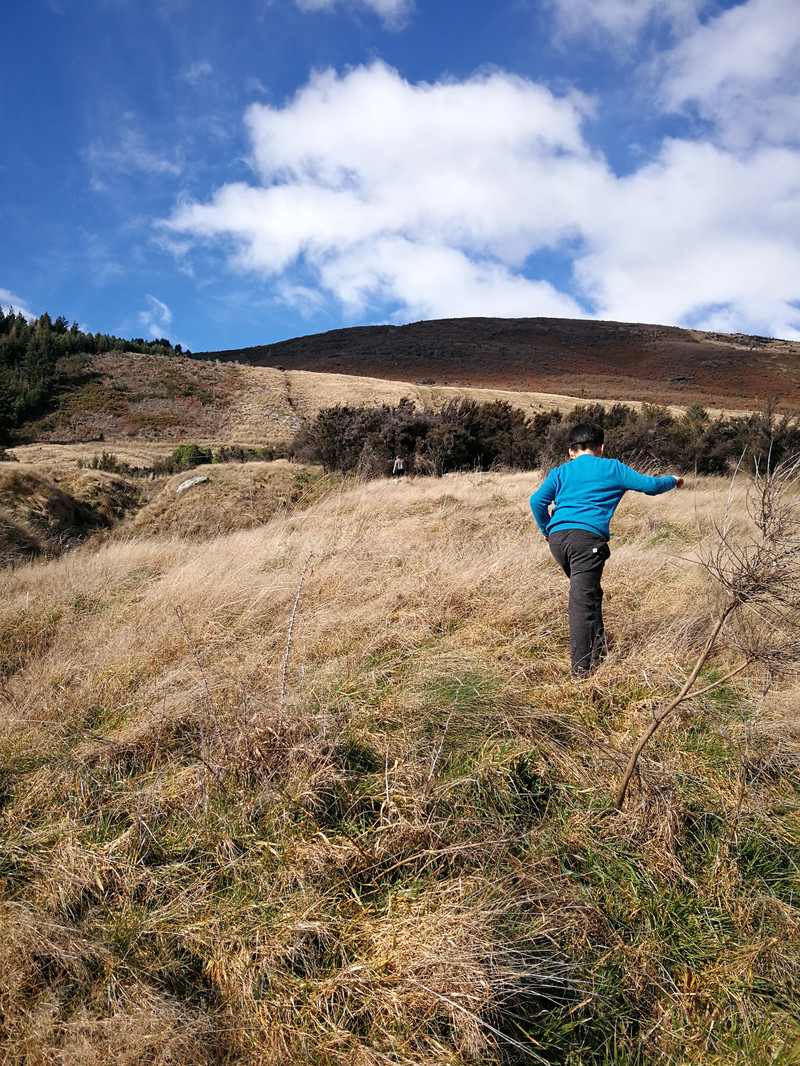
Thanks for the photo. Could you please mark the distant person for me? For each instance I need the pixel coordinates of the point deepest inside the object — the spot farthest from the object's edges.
(399, 467)
(585, 493)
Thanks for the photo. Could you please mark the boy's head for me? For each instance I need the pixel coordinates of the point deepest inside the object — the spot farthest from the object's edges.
(586, 437)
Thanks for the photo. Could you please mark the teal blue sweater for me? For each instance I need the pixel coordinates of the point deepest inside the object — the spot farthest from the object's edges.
(585, 493)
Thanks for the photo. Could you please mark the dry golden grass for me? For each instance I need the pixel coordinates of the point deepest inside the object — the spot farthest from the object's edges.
(44, 510)
(380, 841)
(70, 457)
(234, 496)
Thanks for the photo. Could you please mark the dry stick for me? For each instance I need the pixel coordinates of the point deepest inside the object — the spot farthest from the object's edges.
(722, 680)
(660, 715)
(480, 1021)
(441, 745)
(289, 638)
(743, 761)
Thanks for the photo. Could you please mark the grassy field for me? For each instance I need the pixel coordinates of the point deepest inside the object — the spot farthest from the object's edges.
(305, 779)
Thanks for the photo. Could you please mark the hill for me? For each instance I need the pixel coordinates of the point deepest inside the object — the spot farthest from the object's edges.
(292, 768)
(144, 403)
(322, 791)
(586, 358)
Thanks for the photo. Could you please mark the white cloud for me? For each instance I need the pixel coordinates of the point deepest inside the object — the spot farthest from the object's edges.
(623, 19)
(156, 319)
(393, 12)
(427, 201)
(490, 169)
(8, 301)
(436, 281)
(697, 231)
(130, 152)
(196, 72)
(742, 71)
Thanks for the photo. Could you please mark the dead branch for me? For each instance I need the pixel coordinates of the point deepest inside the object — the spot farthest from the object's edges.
(759, 579)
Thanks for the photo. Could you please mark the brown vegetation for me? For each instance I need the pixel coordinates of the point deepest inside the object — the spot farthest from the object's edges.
(292, 768)
(582, 358)
(141, 396)
(44, 511)
(401, 860)
(234, 496)
(247, 405)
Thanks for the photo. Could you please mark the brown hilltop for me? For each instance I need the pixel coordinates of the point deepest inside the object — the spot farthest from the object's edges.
(604, 360)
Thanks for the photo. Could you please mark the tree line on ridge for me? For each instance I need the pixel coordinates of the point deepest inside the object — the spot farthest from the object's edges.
(40, 357)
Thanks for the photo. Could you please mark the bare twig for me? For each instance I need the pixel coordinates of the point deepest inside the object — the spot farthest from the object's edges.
(721, 680)
(760, 579)
(441, 745)
(666, 710)
(211, 701)
(197, 659)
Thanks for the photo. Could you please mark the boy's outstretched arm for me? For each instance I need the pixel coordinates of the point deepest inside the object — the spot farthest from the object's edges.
(541, 500)
(650, 486)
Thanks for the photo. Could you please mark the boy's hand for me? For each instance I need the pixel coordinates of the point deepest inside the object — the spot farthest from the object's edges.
(678, 482)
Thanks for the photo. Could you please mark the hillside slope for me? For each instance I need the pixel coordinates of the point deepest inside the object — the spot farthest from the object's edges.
(602, 360)
(322, 791)
(146, 403)
(46, 510)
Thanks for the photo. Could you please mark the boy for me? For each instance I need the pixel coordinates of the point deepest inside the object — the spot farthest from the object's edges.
(585, 492)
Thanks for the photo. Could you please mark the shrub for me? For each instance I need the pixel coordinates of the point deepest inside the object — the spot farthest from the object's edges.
(184, 457)
(467, 435)
(344, 437)
(464, 434)
(236, 453)
(108, 461)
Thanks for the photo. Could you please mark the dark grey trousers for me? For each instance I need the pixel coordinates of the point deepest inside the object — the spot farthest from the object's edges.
(582, 556)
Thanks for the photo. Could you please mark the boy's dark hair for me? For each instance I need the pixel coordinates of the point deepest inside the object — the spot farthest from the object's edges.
(586, 435)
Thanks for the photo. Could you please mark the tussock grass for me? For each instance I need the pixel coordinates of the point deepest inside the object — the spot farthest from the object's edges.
(44, 512)
(408, 855)
(234, 497)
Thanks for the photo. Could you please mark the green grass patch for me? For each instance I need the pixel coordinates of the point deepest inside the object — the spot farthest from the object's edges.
(669, 533)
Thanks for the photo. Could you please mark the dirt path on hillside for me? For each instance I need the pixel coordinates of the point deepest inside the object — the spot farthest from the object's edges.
(270, 405)
(261, 411)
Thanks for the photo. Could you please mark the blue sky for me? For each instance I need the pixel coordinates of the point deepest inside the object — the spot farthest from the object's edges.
(235, 174)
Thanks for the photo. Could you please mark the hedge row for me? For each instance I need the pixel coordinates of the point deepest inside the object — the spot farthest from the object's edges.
(468, 435)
